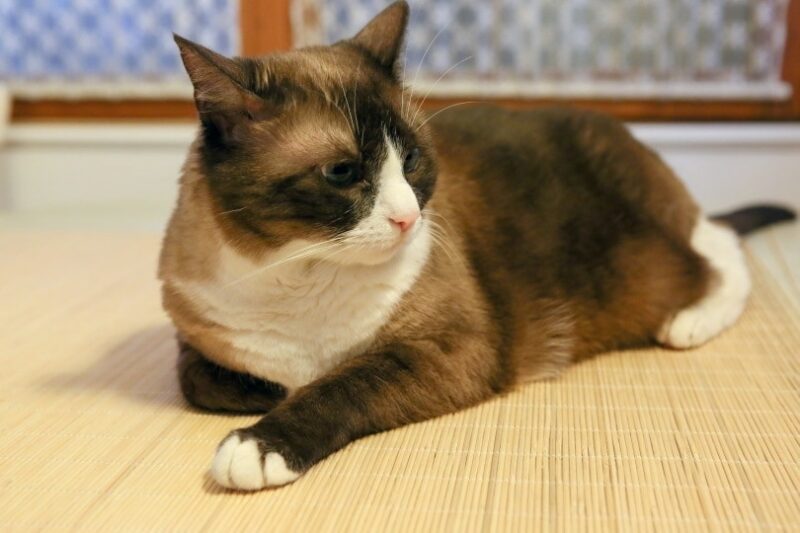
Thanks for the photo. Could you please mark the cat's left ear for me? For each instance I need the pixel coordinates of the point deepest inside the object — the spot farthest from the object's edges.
(383, 36)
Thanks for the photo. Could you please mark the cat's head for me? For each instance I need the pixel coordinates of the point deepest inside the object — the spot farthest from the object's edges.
(316, 144)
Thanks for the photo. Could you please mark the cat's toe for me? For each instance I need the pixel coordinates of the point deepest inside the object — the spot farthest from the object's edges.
(695, 326)
(686, 330)
(239, 464)
(276, 472)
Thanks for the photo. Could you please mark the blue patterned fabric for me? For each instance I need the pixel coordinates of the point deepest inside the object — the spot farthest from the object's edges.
(108, 39)
(734, 42)
(342, 18)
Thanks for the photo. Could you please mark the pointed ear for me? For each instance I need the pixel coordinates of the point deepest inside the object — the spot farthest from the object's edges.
(383, 36)
(219, 88)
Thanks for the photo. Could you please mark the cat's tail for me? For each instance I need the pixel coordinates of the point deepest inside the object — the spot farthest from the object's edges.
(749, 219)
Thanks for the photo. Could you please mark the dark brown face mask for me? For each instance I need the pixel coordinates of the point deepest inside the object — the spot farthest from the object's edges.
(293, 143)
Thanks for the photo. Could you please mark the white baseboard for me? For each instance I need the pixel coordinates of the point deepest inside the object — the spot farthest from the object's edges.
(134, 167)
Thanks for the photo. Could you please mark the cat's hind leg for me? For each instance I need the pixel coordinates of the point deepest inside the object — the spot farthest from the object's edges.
(209, 386)
(727, 292)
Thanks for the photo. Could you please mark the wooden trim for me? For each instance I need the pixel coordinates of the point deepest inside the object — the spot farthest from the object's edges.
(791, 56)
(93, 110)
(653, 110)
(266, 27)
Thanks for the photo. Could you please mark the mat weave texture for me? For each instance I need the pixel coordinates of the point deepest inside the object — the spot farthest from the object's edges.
(96, 437)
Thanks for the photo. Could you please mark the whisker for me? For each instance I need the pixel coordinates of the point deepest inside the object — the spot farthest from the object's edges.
(340, 249)
(355, 92)
(444, 109)
(439, 240)
(304, 252)
(429, 212)
(403, 86)
(446, 72)
(232, 211)
(344, 214)
(362, 137)
(455, 259)
(425, 54)
(447, 229)
(346, 101)
(333, 103)
(442, 237)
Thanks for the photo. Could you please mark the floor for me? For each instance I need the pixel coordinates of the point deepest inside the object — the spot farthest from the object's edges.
(96, 437)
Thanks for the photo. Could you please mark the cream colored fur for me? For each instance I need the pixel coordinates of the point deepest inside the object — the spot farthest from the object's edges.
(300, 310)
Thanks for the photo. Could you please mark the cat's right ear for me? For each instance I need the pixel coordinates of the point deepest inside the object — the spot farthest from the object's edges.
(383, 36)
(219, 92)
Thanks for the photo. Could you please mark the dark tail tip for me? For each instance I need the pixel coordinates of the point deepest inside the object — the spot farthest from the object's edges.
(749, 219)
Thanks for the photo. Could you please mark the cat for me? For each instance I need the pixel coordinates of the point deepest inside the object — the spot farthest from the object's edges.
(347, 265)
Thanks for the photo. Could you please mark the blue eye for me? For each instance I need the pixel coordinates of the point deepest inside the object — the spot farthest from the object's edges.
(341, 174)
(412, 160)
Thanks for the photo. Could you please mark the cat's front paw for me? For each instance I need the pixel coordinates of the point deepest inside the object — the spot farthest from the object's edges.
(245, 463)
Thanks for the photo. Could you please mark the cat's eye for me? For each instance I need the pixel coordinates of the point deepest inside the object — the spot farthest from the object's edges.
(412, 160)
(341, 174)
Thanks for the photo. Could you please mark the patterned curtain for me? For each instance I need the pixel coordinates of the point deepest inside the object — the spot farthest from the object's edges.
(713, 49)
(107, 48)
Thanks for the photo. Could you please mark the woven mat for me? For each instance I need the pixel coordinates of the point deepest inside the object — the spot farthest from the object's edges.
(95, 436)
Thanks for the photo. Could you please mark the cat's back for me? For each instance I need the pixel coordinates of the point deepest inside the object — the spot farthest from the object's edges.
(508, 144)
(543, 161)
(482, 123)
(556, 164)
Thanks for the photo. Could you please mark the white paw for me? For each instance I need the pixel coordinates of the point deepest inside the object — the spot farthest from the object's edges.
(238, 465)
(697, 325)
(726, 298)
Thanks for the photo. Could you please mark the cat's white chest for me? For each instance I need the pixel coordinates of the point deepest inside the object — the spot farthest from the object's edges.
(294, 322)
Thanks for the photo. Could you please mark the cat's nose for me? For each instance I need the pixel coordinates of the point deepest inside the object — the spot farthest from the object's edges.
(405, 221)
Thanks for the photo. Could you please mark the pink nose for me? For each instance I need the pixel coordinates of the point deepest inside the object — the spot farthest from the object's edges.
(406, 221)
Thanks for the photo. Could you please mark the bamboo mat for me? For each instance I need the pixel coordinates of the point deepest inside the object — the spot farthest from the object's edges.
(94, 435)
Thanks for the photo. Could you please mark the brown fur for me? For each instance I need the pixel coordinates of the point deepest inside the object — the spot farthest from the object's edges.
(212, 387)
(561, 236)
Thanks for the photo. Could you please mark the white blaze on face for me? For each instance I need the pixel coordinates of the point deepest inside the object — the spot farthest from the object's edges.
(378, 236)
(396, 200)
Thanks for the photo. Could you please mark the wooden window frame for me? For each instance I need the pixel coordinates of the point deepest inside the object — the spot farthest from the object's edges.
(266, 27)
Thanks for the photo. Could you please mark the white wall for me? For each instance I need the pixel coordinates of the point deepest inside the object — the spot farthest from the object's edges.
(727, 165)
(59, 166)
(131, 170)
